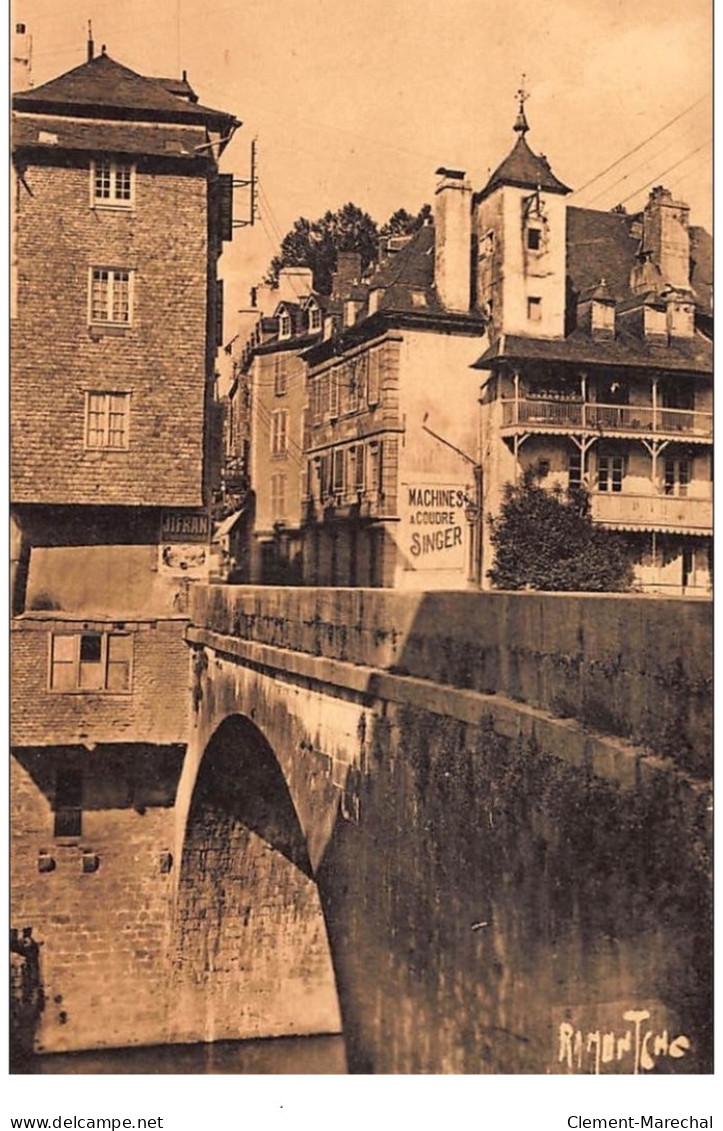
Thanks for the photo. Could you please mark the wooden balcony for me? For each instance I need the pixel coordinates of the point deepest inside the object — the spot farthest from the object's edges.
(671, 513)
(556, 416)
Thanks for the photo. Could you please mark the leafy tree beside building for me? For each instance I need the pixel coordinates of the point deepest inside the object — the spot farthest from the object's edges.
(546, 539)
(316, 243)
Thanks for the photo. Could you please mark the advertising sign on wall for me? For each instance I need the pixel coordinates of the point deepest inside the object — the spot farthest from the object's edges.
(434, 526)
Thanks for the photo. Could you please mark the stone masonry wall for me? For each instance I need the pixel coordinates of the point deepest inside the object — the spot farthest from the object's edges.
(103, 934)
(156, 710)
(639, 668)
(159, 358)
(99, 903)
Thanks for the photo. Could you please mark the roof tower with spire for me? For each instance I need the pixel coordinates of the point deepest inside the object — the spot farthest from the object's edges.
(522, 168)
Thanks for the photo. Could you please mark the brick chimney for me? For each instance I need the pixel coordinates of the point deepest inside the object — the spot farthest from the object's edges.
(347, 274)
(666, 238)
(453, 240)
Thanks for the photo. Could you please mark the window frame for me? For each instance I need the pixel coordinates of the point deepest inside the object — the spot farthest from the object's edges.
(614, 477)
(281, 380)
(75, 662)
(677, 476)
(68, 804)
(106, 446)
(123, 204)
(279, 496)
(279, 433)
(114, 274)
(534, 308)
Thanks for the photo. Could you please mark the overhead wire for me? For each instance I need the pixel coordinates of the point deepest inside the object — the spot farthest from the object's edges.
(626, 176)
(640, 145)
(665, 171)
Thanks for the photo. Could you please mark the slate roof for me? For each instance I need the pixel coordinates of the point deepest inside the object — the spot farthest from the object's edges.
(524, 169)
(605, 245)
(55, 132)
(694, 355)
(180, 87)
(102, 84)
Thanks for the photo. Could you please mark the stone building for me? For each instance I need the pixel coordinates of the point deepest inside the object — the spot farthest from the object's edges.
(266, 430)
(599, 365)
(118, 218)
(391, 481)
(593, 331)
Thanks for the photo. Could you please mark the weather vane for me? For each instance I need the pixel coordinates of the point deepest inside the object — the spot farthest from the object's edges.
(521, 126)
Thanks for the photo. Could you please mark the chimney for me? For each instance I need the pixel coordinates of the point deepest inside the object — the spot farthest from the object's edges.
(596, 312)
(666, 238)
(347, 274)
(91, 45)
(295, 283)
(21, 78)
(453, 240)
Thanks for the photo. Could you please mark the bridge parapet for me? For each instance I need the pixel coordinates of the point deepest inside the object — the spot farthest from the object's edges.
(639, 668)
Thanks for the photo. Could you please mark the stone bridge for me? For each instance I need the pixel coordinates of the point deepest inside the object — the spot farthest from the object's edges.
(470, 831)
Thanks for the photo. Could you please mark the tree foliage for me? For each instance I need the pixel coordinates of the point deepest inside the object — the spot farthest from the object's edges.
(547, 540)
(403, 223)
(317, 243)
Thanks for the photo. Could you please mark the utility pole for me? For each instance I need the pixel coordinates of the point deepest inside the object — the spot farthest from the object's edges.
(250, 184)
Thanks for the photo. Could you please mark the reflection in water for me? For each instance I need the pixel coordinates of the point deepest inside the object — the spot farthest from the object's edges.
(284, 1056)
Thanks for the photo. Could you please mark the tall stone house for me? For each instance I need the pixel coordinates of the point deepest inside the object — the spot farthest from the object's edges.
(391, 488)
(599, 366)
(119, 214)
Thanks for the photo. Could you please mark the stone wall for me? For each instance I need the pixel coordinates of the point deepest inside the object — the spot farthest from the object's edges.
(636, 667)
(159, 358)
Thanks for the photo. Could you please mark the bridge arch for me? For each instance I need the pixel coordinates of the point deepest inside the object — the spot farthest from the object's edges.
(250, 952)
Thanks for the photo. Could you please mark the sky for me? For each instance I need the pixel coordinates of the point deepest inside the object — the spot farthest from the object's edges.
(362, 100)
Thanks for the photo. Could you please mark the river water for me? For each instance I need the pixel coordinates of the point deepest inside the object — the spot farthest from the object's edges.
(285, 1056)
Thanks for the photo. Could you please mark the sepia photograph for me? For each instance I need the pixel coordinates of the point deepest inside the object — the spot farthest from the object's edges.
(361, 540)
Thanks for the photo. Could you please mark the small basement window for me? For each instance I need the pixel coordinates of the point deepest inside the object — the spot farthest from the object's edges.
(68, 818)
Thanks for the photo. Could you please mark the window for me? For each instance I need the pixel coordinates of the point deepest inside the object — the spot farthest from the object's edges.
(280, 383)
(359, 468)
(315, 400)
(574, 468)
(375, 466)
(676, 477)
(610, 473)
(284, 325)
(112, 184)
(68, 803)
(91, 661)
(110, 296)
(314, 319)
(278, 496)
(338, 457)
(374, 381)
(279, 432)
(534, 239)
(356, 373)
(334, 393)
(107, 417)
(534, 309)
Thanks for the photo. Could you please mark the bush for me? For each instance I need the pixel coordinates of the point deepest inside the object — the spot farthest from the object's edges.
(547, 540)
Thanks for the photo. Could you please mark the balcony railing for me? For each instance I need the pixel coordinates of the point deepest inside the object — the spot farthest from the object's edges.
(653, 512)
(552, 414)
